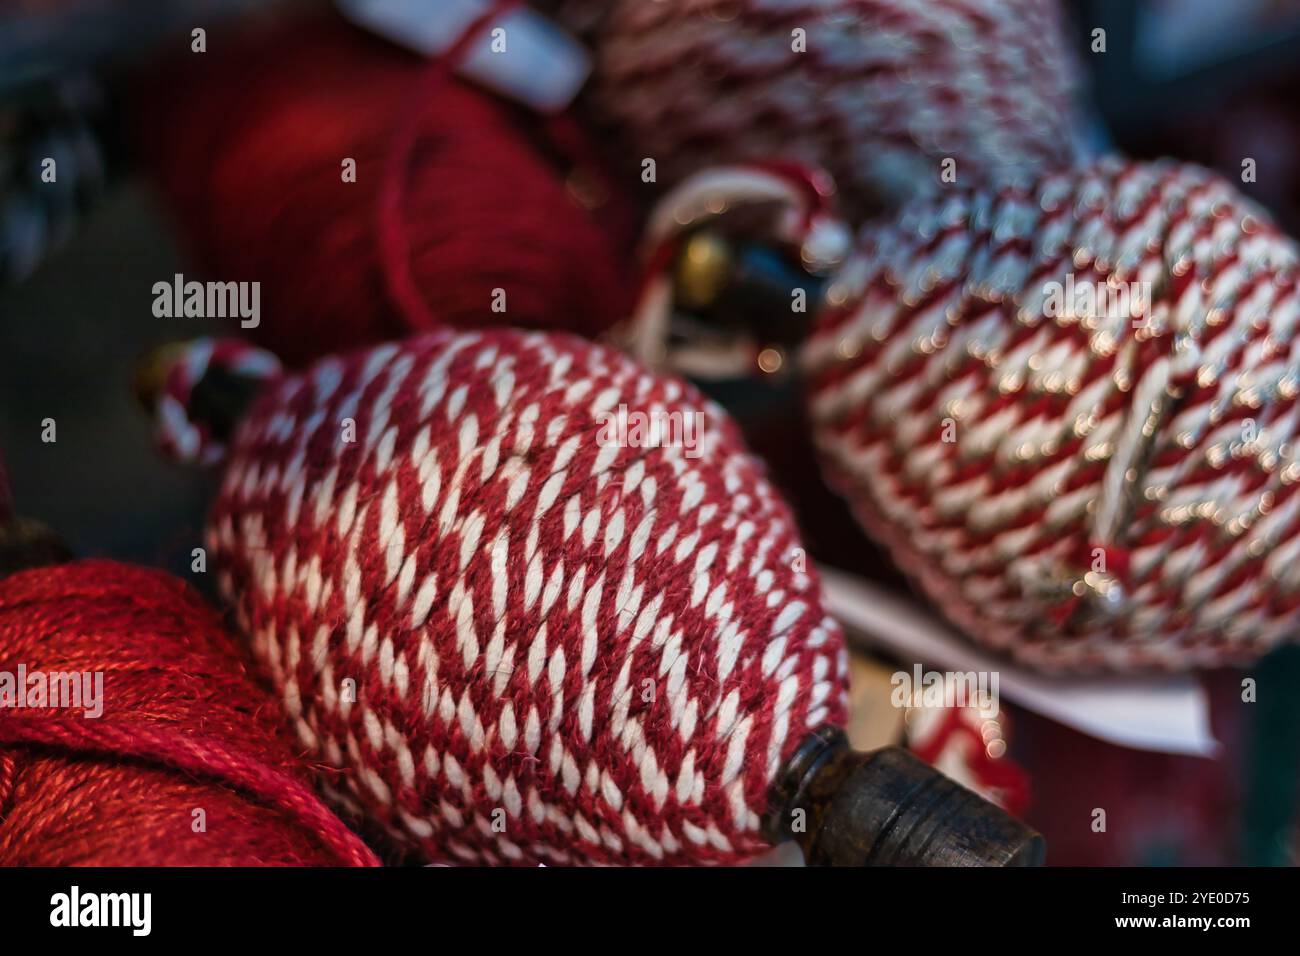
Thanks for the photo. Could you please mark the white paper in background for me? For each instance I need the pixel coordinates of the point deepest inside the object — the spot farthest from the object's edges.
(543, 66)
(1169, 714)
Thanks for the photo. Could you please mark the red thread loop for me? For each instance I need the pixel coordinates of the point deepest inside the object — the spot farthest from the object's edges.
(394, 241)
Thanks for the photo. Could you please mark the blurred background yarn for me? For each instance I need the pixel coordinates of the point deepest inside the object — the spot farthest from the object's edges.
(499, 218)
(880, 93)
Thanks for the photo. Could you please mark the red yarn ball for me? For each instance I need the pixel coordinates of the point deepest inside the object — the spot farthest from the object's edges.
(184, 728)
(248, 143)
(522, 639)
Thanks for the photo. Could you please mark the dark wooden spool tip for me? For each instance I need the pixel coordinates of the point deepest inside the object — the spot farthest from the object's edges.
(888, 808)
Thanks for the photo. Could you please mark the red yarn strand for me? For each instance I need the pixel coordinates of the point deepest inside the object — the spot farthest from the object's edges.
(183, 726)
(394, 241)
(203, 757)
(457, 192)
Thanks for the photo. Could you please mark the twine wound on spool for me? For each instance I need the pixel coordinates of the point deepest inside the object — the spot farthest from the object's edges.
(1069, 410)
(889, 96)
(518, 640)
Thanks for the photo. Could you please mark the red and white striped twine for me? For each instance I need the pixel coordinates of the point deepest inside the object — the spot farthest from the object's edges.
(1086, 489)
(178, 433)
(519, 642)
(879, 92)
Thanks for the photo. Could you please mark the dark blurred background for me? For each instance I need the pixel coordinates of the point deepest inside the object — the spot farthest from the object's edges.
(72, 333)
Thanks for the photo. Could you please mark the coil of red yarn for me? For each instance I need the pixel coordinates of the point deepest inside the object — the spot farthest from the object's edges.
(1070, 411)
(523, 637)
(466, 210)
(133, 733)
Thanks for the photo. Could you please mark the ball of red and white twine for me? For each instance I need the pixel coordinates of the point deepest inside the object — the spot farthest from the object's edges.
(523, 642)
(1104, 486)
(877, 92)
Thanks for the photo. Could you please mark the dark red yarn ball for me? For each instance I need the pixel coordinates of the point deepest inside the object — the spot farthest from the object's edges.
(247, 143)
(184, 727)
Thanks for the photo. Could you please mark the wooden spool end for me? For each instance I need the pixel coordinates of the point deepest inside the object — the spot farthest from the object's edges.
(889, 808)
